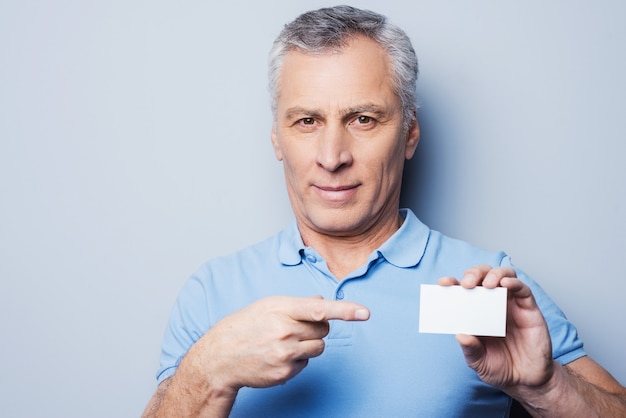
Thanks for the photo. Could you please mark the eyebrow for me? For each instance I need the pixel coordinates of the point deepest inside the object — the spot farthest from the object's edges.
(367, 108)
(299, 111)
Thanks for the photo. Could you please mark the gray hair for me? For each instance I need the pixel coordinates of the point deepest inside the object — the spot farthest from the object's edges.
(330, 29)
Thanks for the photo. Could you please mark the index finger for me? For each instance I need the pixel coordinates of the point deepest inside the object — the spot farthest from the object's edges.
(317, 310)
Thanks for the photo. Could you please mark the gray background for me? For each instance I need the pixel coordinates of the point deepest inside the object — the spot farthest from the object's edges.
(134, 145)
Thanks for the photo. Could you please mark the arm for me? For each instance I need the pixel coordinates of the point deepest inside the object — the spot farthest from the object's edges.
(521, 364)
(153, 404)
(182, 398)
(580, 388)
(264, 344)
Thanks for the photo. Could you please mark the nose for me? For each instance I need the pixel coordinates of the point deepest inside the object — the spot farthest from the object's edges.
(334, 150)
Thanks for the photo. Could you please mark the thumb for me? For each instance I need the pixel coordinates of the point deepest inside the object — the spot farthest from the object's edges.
(472, 347)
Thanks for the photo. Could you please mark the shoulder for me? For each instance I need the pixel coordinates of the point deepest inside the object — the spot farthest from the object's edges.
(263, 252)
(459, 255)
(431, 250)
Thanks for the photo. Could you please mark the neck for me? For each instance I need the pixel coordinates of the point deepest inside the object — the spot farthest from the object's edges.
(345, 253)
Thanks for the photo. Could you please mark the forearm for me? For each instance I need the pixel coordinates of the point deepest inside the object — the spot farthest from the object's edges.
(176, 398)
(190, 394)
(566, 394)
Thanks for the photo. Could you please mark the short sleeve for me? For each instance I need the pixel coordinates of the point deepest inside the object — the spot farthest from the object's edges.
(188, 322)
(567, 346)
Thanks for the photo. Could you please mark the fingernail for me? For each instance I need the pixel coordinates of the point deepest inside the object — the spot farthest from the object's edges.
(361, 314)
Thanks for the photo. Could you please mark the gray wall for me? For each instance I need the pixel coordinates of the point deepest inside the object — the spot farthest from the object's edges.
(134, 145)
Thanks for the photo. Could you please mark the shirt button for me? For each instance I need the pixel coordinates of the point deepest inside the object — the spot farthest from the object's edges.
(311, 258)
(339, 294)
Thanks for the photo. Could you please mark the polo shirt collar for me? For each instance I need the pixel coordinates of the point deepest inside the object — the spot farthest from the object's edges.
(290, 245)
(403, 249)
(406, 247)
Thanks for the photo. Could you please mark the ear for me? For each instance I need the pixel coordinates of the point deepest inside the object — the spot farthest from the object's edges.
(413, 137)
(277, 151)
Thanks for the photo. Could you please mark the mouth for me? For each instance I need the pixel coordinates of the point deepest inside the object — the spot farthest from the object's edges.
(336, 194)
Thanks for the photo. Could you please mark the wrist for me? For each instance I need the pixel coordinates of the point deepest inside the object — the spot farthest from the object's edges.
(203, 376)
(546, 396)
(190, 396)
(197, 390)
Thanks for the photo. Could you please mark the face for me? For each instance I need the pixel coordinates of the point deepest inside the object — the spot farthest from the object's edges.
(340, 134)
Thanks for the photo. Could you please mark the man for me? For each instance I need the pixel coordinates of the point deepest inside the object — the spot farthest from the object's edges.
(248, 337)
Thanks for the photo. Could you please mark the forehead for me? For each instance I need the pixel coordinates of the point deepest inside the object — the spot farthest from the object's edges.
(359, 71)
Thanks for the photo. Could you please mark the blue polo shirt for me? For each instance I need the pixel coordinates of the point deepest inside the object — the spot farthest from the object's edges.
(380, 367)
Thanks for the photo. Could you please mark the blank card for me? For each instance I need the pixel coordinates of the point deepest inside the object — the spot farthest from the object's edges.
(456, 310)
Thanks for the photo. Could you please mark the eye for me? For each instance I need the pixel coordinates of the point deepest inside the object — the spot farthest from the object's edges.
(364, 120)
(307, 121)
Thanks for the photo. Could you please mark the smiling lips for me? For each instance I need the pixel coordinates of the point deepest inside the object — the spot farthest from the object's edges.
(336, 194)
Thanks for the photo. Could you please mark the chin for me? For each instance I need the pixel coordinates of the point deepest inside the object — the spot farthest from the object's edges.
(336, 222)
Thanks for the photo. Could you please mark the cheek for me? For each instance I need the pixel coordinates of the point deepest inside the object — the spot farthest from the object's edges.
(297, 158)
(386, 162)
(295, 171)
(387, 172)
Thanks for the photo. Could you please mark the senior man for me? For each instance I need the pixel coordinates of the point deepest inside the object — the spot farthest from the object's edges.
(248, 338)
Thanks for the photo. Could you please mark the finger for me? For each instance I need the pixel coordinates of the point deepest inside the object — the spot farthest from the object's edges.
(309, 330)
(495, 276)
(474, 276)
(519, 291)
(311, 348)
(317, 310)
(447, 281)
(485, 275)
(513, 284)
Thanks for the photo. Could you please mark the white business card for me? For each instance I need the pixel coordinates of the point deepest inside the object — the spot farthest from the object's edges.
(456, 310)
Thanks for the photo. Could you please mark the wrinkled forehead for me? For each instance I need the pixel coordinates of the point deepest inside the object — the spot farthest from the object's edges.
(354, 76)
